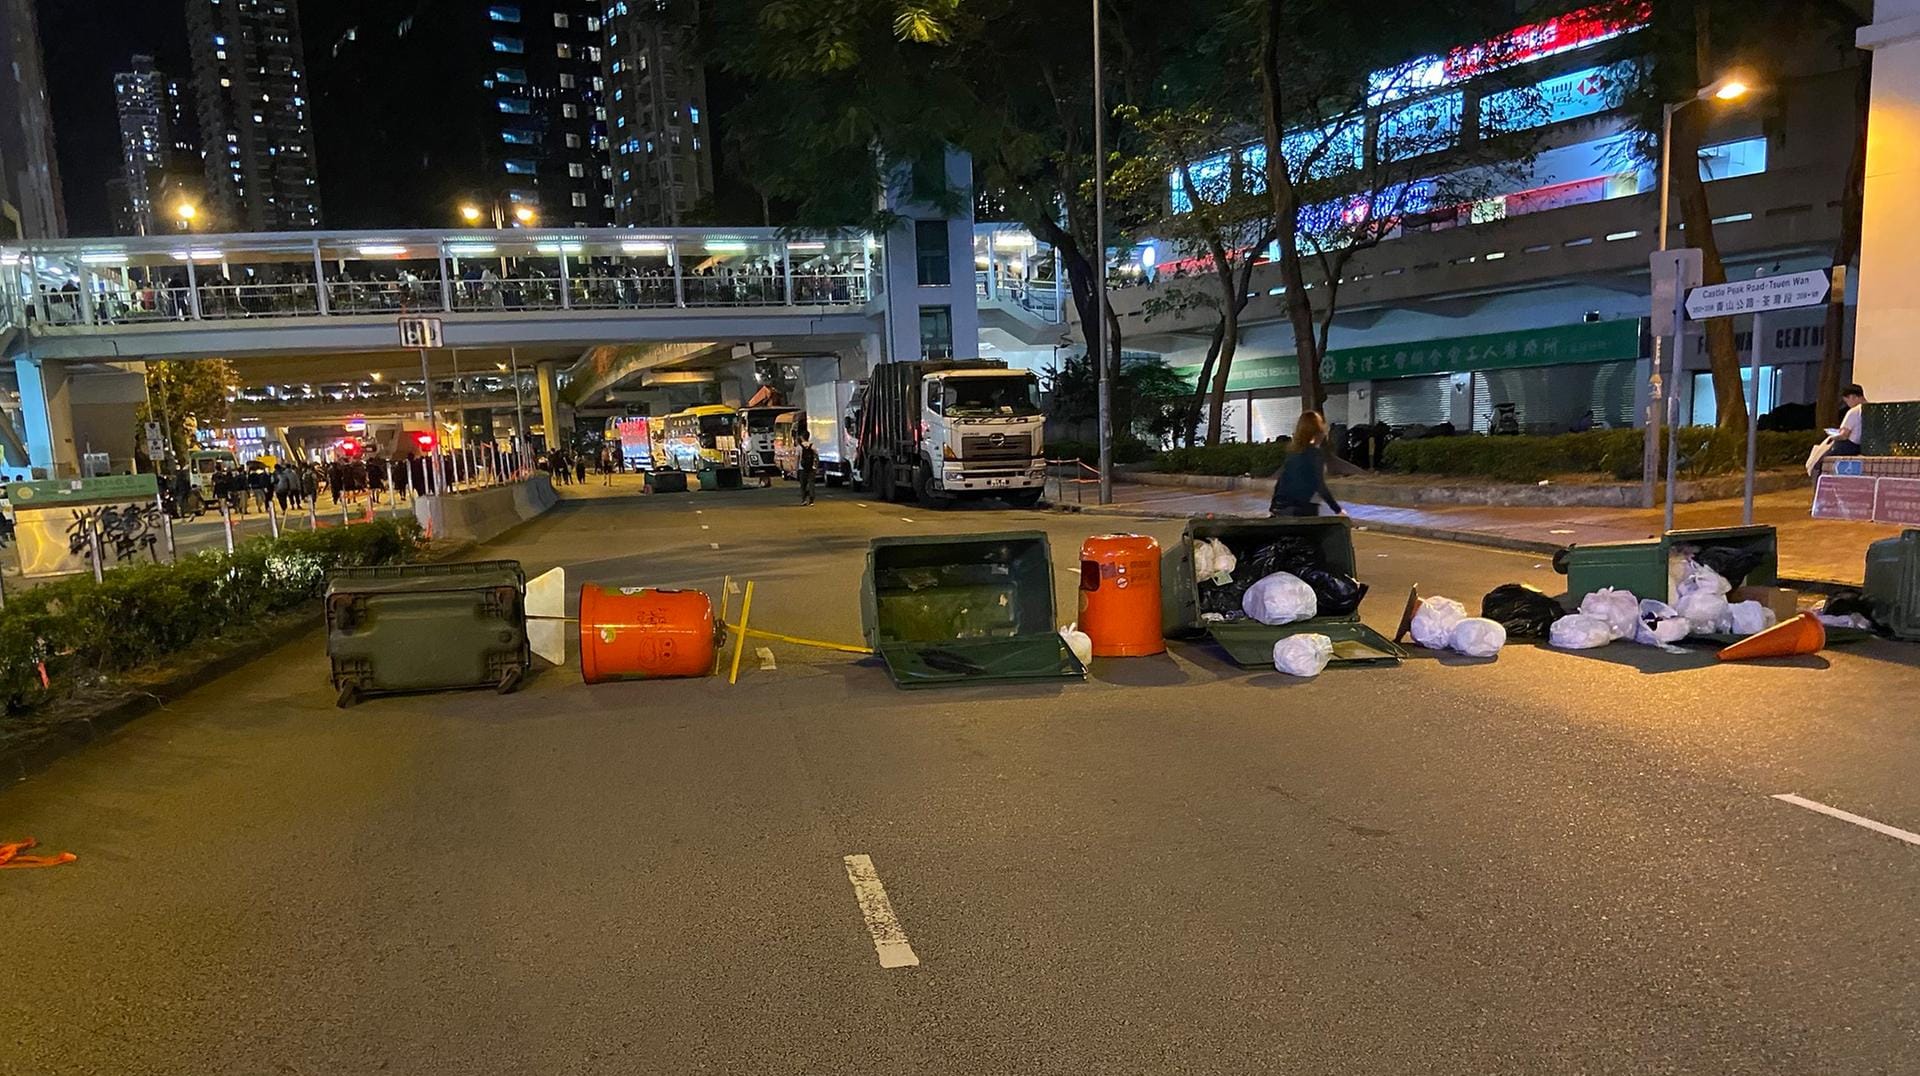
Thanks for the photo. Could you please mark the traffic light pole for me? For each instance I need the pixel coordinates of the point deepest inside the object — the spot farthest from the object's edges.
(433, 426)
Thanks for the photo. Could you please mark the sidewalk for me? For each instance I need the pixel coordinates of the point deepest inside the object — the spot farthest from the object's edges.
(1811, 550)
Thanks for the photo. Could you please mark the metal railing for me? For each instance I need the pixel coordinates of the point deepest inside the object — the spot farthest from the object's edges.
(1072, 482)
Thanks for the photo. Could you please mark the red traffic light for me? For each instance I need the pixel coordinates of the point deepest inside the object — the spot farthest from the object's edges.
(424, 440)
(349, 446)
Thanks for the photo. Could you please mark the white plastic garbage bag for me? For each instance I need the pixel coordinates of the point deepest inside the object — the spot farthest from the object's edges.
(1213, 562)
(1706, 611)
(1702, 580)
(1579, 632)
(1078, 641)
(1618, 608)
(1280, 598)
(1302, 655)
(1478, 637)
(1751, 618)
(1434, 621)
(1660, 624)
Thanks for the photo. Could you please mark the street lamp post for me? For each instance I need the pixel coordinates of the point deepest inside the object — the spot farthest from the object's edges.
(1099, 333)
(1728, 88)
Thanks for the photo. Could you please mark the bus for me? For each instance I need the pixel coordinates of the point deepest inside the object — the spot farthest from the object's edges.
(631, 440)
(701, 439)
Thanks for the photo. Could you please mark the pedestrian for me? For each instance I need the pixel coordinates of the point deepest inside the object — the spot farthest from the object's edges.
(809, 459)
(1304, 474)
(309, 484)
(1846, 441)
(580, 468)
(286, 485)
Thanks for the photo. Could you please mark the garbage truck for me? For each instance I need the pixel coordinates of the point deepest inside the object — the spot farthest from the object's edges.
(938, 430)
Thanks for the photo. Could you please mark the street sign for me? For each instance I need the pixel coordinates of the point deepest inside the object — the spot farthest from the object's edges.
(156, 442)
(1674, 271)
(421, 333)
(1758, 296)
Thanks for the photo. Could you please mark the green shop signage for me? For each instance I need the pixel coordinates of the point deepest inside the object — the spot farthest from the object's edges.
(1599, 341)
(119, 487)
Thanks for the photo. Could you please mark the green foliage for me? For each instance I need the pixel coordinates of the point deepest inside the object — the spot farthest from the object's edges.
(1125, 450)
(143, 613)
(1704, 452)
(1258, 460)
(184, 395)
(1149, 399)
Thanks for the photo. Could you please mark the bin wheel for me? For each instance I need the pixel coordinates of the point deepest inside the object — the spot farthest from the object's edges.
(348, 696)
(509, 681)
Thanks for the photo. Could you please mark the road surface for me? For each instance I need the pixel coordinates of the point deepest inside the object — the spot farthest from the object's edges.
(1552, 863)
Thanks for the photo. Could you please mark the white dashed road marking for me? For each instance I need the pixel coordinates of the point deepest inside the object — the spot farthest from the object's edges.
(889, 938)
(904, 519)
(713, 545)
(1848, 816)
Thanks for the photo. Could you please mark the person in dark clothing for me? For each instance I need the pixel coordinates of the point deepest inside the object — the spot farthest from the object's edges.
(579, 468)
(809, 460)
(1304, 474)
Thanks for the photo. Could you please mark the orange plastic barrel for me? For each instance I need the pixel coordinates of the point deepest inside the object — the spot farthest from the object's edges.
(1120, 595)
(640, 633)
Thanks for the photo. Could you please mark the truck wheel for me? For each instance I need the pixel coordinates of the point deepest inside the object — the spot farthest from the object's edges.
(880, 480)
(923, 491)
(1025, 498)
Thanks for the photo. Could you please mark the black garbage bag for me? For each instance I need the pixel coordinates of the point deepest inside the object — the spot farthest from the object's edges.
(1292, 555)
(1734, 564)
(1847, 603)
(1225, 600)
(1526, 613)
(1337, 594)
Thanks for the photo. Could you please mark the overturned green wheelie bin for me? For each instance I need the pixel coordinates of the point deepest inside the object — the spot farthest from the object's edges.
(1640, 567)
(1893, 584)
(426, 627)
(942, 610)
(1249, 642)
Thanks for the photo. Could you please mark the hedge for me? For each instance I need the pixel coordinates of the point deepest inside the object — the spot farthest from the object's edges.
(1704, 451)
(142, 613)
(1259, 460)
(1125, 450)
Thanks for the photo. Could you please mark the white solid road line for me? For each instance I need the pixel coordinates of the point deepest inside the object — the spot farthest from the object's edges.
(904, 519)
(1848, 816)
(889, 939)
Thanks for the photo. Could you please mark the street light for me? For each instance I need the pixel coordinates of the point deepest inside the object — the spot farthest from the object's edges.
(1729, 87)
(523, 214)
(474, 214)
(470, 213)
(186, 212)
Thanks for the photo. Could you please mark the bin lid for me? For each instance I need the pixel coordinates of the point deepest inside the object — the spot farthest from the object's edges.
(414, 578)
(1250, 643)
(1022, 658)
(968, 608)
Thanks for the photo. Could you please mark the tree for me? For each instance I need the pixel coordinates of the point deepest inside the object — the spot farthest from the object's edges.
(848, 97)
(1340, 184)
(1149, 398)
(183, 396)
(1223, 219)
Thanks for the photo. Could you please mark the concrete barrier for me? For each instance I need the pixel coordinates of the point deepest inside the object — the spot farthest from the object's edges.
(481, 515)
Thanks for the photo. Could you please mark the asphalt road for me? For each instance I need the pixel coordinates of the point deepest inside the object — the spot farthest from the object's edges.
(1551, 863)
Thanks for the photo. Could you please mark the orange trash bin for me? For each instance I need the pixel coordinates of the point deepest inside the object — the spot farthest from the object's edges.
(644, 634)
(1120, 595)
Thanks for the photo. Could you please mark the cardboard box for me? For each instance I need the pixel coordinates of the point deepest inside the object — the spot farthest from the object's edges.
(1784, 603)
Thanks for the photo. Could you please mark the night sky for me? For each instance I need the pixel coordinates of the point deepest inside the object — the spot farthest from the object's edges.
(86, 43)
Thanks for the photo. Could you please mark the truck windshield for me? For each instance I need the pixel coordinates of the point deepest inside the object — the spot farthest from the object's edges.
(990, 396)
(716, 425)
(761, 420)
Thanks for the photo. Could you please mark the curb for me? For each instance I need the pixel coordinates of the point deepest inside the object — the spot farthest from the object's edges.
(46, 743)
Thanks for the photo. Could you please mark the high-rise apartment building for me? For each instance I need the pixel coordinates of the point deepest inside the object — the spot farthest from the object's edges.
(496, 106)
(249, 83)
(30, 204)
(156, 145)
(661, 131)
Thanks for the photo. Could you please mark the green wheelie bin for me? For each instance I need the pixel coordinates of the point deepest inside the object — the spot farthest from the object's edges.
(1640, 567)
(942, 610)
(426, 627)
(1893, 584)
(1249, 642)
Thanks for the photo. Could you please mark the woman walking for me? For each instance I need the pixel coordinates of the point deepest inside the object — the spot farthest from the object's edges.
(1304, 474)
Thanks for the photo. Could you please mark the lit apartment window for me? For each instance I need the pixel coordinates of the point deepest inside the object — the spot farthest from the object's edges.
(577, 170)
(593, 53)
(570, 111)
(606, 171)
(561, 20)
(573, 141)
(567, 81)
(517, 105)
(511, 75)
(520, 166)
(579, 199)
(503, 13)
(693, 114)
(563, 50)
(509, 44)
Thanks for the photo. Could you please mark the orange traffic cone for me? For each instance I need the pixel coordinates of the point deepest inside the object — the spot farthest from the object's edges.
(1803, 634)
